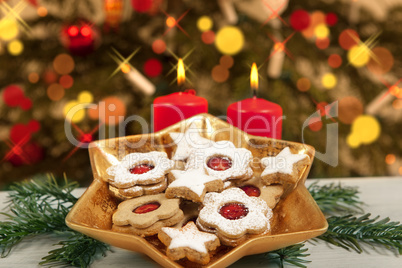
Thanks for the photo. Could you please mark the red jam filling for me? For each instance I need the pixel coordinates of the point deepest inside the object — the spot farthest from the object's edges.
(251, 190)
(141, 169)
(147, 208)
(219, 163)
(233, 211)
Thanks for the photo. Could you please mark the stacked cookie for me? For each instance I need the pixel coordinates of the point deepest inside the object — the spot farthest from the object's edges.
(213, 199)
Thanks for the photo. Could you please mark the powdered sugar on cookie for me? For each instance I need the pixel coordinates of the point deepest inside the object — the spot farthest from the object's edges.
(192, 179)
(282, 163)
(123, 178)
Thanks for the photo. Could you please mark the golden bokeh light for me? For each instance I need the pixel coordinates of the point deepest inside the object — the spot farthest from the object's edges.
(42, 11)
(125, 68)
(321, 31)
(8, 29)
(229, 40)
(170, 22)
(329, 80)
(15, 47)
(303, 84)
(390, 159)
(359, 55)
(204, 23)
(365, 130)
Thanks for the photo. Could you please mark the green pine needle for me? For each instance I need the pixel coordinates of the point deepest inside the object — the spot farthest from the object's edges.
(334, 198)
(40, 207)
(291, 255)
(349, 232)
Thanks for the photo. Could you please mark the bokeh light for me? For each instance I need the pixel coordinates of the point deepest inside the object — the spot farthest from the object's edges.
(381, 61)
(8, 29)
(321, 31)
(110, 110)
(125, 68)
(208, 37)
(15, 47)
(348, 38)
(76, 116)
(299, 20)
(331, 19)
(396, 91)
(329, 80)
(13, 95)
(322, 43)
(141, 6)
(303, 84)
(50, 77)
(226, 61)
(152, 67)
(219, 73)
(204, 23)
(390, 159)
(323, 107)
(42, 11)
(359, 55)
(316, 18)
(229, 40)
(365, 130)
(55, 92)
(33, 77)
(349, 108)
(85, 97)
(63, 64)
(334, 61)
(315, 123)
(159, 46)
(397, 104)
(170, 22)
(66, 81)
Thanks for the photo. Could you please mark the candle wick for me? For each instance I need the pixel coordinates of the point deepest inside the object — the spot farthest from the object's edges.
(254, 92)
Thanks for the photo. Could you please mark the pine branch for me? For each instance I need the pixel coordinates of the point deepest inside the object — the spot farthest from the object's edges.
(334, 198)
(78, 250)
(39, 207)
(290, 255)
(349, 232)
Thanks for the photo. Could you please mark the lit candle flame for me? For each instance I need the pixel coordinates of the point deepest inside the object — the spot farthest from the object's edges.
(254, 77)
(181, 75)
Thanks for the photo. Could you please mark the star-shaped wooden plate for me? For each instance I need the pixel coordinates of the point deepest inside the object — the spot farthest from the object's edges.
(296, 217)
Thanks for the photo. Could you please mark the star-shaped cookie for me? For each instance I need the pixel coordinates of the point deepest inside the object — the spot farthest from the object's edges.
(188, 242)
(188, 141)
(192, 184)
(283, 169)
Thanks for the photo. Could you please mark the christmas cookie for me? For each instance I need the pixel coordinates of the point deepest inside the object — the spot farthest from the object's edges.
(283, 169)
(139, 190)
(188, 242)
(140, 169)
(233, 214)
(222, 160)
(192, 185)
(187, 142)
(271, 194)
(145, 215)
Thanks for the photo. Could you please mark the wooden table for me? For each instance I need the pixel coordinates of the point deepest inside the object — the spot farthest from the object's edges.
(382, 196)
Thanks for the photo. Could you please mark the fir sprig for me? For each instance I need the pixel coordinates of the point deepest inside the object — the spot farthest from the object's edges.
(349, 232)
(335, 198)
(292, 255)
(77, 250)
(40, 207)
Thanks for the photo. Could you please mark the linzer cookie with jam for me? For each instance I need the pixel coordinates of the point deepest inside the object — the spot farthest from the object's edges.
(233, 215)
(284, 169)
(146, 215)
(139, 174)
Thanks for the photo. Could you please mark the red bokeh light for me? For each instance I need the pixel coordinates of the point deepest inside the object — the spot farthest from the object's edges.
(72, 31)
(300, 20)
(331, 19)
(152, 67)
(86, 31)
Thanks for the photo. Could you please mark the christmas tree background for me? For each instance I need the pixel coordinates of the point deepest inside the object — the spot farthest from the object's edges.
(55, 55)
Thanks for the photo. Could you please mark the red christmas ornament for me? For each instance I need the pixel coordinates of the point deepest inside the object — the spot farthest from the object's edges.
(300, 20)
(331, 19)
(80, 39)
(141, 6)
(27, 154)
(152, 67)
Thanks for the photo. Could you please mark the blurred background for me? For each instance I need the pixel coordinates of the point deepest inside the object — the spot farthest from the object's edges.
(312, 56)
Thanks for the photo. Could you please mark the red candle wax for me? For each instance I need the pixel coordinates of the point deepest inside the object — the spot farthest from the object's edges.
(176, 107)
(257, 117)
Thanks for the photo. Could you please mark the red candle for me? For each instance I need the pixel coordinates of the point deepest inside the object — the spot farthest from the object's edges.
(256, 116)
(178, 106)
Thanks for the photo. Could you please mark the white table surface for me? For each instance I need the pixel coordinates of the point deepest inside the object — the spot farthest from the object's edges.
(382, 196)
